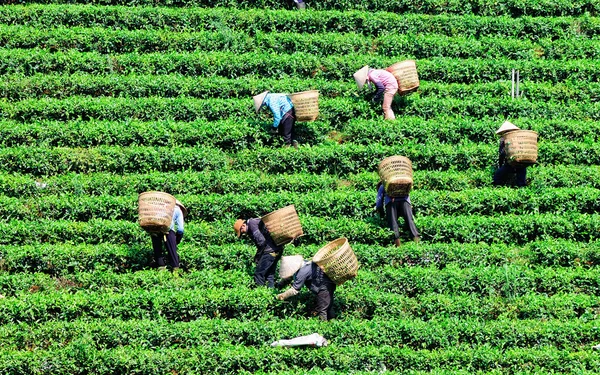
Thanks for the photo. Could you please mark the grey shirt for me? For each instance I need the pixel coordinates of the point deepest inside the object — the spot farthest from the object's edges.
(313, 276)
(259, 234)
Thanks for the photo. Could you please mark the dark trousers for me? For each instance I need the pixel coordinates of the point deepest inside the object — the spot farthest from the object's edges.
(503, 173)
(265, 269)
(170, 244)
(405, 209)
(286, 127)
(324, 307)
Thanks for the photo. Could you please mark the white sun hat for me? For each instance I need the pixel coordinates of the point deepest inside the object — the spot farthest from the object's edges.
(361, 76)
(289, 265)
(259, 99)
(506, 127)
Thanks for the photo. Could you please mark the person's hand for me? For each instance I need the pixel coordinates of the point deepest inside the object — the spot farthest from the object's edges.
(296, 241)
(287, 294)
(273, 130)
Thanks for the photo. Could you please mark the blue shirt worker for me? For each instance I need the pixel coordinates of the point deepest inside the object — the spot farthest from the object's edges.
(309, 274)
(170, 240)
(393, 205)
(284, 116)
(267, 252)
(505, 170)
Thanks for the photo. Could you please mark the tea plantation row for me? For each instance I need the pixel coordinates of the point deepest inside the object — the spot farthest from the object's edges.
(477, 7)
(334, 204)
(63, 259)
(101, 100)
(517, 229)
(227, 182)
(317, 44)
(235, 135)
(332, 159)
(296, 65)
(268, 20)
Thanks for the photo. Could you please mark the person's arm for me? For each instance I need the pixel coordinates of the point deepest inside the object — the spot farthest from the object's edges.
(287, 294)
(301, 276)
(283, 282)
(299, 281)
(259, 239)
(178, 224)
(275, 107)
(379, 93)
(379, 201)
(501, 153)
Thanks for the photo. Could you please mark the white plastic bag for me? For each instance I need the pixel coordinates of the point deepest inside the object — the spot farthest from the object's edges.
(311, 340)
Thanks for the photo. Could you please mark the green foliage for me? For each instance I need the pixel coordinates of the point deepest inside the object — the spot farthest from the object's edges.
(255, 182)
(341, 203)
(320, 230)
(417, 45)
(477, 7)
(268, 20)
(297, 65)
(101, 100)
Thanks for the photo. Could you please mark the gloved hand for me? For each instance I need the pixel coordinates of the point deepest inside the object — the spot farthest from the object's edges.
(287, 294)
(178, 237)
(273, 130)
(296, 241)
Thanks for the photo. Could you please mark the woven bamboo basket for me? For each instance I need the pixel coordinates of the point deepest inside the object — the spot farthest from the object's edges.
(521, 147)
(155, 211)
(397, 175)
(406, 75)
(283, 225)
(306, 105)
(337, 260)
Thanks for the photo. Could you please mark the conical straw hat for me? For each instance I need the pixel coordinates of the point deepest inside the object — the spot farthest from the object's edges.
(361, 76)
(506, 126)
(259, 99)
(289, 265)
(182, 207)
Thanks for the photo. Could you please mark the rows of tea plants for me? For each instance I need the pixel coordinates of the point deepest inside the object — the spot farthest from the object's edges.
(101, 100)
(482, 202)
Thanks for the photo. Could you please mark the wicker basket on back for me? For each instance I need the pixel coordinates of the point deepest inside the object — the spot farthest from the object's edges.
(283, 225)
(406, 75)
(337, 260)
(306, 105)
(397, 175)
(521, 147)
(155, 211)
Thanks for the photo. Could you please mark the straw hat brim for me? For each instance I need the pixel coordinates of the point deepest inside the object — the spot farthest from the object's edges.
(506, 127)
(361, 76)
(259, 100)
(182, 207)
(237, 226)
(290, 265)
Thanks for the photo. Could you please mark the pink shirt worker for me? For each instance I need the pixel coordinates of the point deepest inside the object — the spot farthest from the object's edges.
(386, 85)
